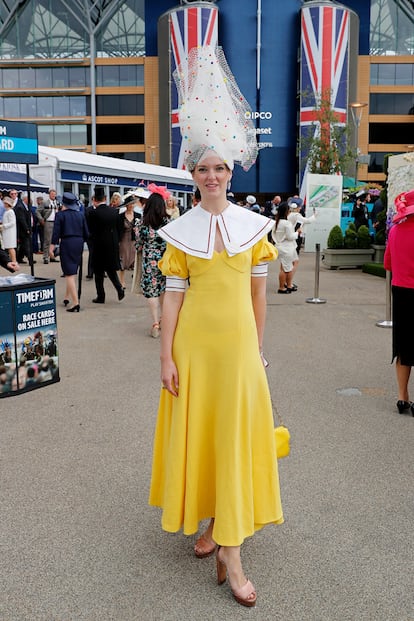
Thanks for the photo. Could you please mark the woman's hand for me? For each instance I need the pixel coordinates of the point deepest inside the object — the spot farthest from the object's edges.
(169, 376)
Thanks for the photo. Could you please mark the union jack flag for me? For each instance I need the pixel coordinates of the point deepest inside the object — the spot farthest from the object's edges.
(189, 27)
(324, 68)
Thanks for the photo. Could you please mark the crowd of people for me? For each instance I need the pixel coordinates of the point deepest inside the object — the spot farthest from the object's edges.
(114, 230)
(117, 233)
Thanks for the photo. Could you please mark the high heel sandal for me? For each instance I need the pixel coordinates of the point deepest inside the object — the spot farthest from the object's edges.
(65, 302)
(242, 596)
(405, 405)
(73, 309)
(202, 549)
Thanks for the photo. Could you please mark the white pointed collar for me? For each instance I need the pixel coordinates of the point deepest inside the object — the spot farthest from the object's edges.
(194, 232)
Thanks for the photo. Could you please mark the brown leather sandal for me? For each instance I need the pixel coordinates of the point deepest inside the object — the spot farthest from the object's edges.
(203, 548)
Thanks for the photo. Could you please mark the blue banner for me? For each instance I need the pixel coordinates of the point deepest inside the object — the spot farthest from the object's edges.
(18, 142)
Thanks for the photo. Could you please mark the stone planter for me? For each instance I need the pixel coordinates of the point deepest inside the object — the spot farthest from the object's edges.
(344, 257)
(379, 250)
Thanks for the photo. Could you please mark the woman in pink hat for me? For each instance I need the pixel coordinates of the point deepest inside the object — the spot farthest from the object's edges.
(399, 259)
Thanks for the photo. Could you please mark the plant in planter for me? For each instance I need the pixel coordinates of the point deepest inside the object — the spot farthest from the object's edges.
(351, 237)
(363, 237)
(335, 238)
(355, 250)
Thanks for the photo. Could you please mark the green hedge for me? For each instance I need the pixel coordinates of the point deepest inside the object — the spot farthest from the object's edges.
(374, 268)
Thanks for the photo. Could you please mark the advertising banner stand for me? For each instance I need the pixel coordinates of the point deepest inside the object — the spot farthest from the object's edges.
(324, 198)
(29, 355)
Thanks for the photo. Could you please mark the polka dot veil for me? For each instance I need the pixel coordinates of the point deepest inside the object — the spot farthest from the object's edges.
(213, 114)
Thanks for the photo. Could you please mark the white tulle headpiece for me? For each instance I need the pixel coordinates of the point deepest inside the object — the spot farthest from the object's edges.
(213, 114)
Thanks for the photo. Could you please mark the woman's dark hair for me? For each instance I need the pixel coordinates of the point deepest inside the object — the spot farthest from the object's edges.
(154, 212)
(282, 212)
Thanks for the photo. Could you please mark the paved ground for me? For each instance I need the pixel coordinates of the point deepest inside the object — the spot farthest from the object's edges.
(77, 539)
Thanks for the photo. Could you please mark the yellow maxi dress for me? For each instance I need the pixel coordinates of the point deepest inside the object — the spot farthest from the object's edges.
(214, 448)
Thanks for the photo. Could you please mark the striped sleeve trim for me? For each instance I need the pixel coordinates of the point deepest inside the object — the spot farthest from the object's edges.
(175, 283)
(260, 270)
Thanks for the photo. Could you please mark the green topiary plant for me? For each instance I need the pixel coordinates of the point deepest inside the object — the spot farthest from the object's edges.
(335, 238)
(351, 239)
(363, 237)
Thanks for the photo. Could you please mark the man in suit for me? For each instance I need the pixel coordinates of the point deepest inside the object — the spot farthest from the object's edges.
(270, 208)
(24, 222)
(46, 213)
(104, 228)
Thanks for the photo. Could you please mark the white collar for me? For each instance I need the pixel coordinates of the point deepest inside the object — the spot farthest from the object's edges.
(195, 231)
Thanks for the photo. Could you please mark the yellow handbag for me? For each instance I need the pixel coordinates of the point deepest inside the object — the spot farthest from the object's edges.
(282, 437)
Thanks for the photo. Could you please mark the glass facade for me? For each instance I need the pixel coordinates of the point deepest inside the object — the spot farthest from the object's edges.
(124, 34)
(62, 135)
(44, 107)
(61, 29)
(45, 47)
(120, 134)
(389, 133)
(392, 27)
(120, 75)
(391, 103)
(392, 74)
(44, 77)
(120, 105)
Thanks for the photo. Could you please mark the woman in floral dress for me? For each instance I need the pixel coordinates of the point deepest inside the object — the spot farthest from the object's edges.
(153, 247)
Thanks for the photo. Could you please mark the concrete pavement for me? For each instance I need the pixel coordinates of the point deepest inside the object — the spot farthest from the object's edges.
(78, 541)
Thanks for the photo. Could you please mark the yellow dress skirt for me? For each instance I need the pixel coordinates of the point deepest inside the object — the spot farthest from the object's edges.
(214, 447)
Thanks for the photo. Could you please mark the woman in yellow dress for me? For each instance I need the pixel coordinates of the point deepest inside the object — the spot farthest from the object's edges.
(214, 449)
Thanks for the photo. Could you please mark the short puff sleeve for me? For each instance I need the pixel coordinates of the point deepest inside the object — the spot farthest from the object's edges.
(262, 253)
(173, 265)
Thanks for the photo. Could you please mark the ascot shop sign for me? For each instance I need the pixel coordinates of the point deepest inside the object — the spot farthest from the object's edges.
(100, 179)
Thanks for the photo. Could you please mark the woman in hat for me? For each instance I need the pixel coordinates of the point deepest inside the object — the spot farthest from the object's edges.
(399, 260)
(9, 228)
(70, 231)
(214, 448)
(127, 238)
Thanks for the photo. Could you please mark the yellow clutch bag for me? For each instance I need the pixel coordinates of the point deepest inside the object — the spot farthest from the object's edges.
(282, 437)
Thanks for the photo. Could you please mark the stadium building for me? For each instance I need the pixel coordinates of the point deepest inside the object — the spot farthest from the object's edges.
(96, 75)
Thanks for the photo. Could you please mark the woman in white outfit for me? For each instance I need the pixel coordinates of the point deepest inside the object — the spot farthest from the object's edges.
(285, 236)
(9, 229)
(296, 218)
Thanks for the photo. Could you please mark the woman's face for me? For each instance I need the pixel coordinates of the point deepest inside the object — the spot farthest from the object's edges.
(211, 175)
